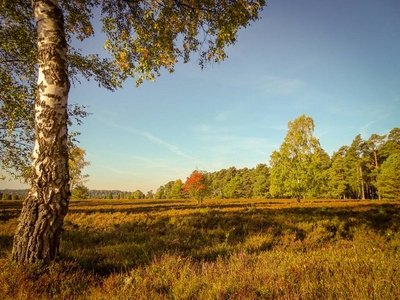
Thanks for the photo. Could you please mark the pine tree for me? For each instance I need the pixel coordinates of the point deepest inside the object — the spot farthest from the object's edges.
(389, 177)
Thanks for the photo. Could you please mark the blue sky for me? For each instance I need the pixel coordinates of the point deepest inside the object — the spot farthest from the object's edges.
(336, 61)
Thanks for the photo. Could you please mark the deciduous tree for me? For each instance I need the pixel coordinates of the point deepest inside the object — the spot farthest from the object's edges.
(138, 194)
(160, 194)
(142, 36)
(18, 80)
(149, 195)
(293, 171)
(76, 163)
(80, 192)
(196, 186)
(176, 190)
(40, 224)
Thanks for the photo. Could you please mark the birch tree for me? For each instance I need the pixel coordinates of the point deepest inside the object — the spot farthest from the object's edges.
(143, 37)
(40, 224)
(18, 80)
(76, 162)
(292, 167)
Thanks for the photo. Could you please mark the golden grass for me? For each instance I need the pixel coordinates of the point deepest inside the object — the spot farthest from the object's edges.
(222, 249)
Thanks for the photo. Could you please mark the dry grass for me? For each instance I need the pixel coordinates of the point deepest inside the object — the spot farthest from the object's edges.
(223, 249)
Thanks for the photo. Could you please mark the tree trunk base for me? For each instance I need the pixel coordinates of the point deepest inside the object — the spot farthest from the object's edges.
(39, 229)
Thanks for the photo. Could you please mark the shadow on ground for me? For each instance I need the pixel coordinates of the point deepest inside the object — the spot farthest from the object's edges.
(204, 233)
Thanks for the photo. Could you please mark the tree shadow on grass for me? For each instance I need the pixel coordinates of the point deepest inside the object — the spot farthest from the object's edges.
(6, 215)
(211, 233)
(121, 202)
(10, 209)
(162, 206)
(131, 210)
(206, 232)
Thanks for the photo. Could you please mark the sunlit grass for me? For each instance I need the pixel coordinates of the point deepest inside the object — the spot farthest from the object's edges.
(223, 249)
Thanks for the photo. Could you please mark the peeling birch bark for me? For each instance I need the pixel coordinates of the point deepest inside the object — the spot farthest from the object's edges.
(39, 229)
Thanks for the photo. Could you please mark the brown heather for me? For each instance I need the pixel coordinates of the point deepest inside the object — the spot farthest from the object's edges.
(223, 249)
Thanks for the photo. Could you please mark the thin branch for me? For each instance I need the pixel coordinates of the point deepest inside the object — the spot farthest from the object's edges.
(179, 3)
(11, 60)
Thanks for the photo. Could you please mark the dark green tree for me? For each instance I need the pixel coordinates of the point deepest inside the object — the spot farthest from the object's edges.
(235, 188)
(356, 166)
(261, 182)
(176, 190)
(389, 177)
(392, 143)
(375, 143)
(337, 179)
(318, 171)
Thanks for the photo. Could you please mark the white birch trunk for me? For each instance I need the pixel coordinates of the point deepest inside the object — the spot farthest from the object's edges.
(38, 233)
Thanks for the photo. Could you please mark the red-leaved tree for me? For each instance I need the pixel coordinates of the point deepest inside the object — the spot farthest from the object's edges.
(196, 186)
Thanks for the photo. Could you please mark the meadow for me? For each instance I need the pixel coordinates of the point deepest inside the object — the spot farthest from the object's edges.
(222, 249)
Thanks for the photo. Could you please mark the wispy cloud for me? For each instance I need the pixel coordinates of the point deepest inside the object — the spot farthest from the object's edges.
(364, 130)
(280, 85)
(155, 140)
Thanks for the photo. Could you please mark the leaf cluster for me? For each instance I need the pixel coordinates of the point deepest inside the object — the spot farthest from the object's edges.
(146, 36)
(142, 37)
(18, 74)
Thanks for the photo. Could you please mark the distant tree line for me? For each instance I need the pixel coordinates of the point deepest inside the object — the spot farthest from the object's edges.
(227, 183)
(11, 194)
(82, 192)
(367, 169)
(117, 194)
(6, 196)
